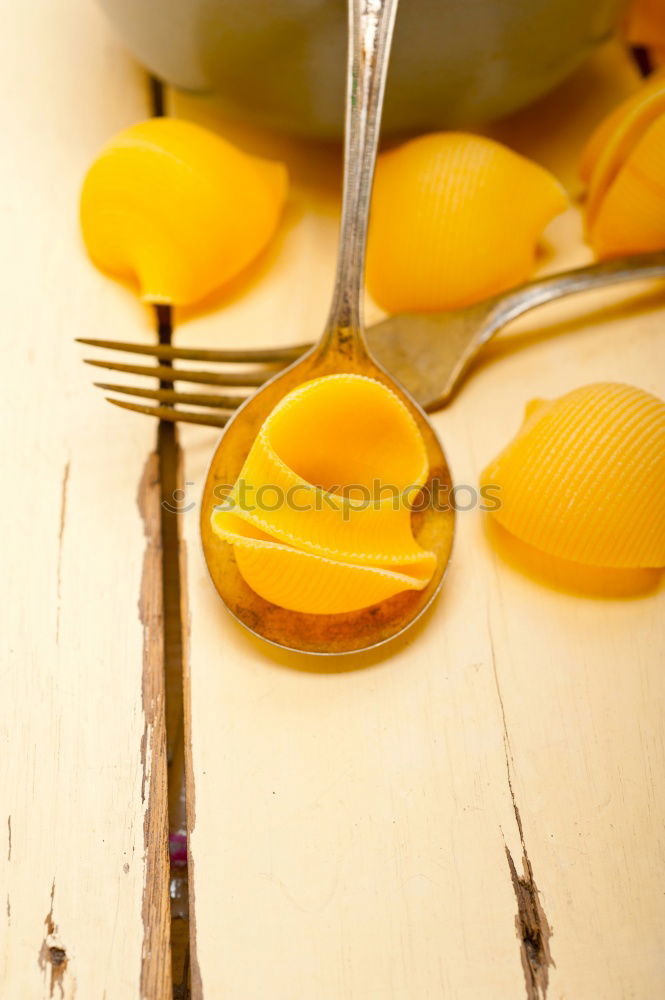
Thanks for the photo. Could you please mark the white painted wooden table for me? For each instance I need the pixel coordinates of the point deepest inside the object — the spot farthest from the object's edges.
(84, 900)
(477, 815)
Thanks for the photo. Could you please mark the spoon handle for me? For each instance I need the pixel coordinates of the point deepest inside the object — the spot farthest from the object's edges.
(370, 33)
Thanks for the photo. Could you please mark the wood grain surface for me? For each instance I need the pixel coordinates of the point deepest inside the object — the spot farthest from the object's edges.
(477, 812)
(82, 778)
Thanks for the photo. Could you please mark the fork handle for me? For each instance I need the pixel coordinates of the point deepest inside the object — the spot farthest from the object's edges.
(581, 279)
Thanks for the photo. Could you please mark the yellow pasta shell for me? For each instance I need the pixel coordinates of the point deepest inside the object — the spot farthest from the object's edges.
(312, 584)
(455, 218)
(320, 517)
(615, 139)
(178, 208)
(631, 216)
(625, 114)
(600, 136)
(584, 478)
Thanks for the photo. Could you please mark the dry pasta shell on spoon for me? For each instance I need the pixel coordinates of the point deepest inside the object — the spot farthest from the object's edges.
(332, 472)
(313, 584)
(298, 540)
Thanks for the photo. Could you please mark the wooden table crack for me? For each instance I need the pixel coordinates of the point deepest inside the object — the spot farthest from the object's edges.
(533, 929)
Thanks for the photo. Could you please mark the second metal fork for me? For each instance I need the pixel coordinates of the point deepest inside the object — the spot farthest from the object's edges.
(428, 353)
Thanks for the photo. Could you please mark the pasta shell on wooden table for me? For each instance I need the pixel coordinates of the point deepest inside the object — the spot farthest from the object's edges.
(631, 216)
(568, 576)
(638, 103)
(177, 208)
(614, 139)
(455, 218)
(600, 136)
(584, 478)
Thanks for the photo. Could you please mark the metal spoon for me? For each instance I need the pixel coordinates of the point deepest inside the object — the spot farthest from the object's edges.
(342, 348)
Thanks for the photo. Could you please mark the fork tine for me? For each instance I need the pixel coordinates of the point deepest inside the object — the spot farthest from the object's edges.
(171, 396)
(173, 416)
(167, 374)
(269, 355)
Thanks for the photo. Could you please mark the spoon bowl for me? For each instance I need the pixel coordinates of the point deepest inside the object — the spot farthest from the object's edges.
(433, 526)
(341, 350)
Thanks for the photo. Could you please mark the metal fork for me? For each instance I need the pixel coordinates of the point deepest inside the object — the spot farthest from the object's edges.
(428, 354)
